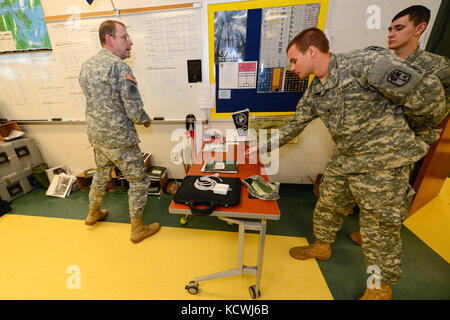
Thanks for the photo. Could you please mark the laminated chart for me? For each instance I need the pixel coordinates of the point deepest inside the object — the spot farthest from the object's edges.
(279, 25)
(22, 26)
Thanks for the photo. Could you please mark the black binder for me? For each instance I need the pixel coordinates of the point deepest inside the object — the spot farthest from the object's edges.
(188, 194)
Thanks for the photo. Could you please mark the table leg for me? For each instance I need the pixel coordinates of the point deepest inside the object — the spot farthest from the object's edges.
(260, 226)
(262, 238)
(241, 246)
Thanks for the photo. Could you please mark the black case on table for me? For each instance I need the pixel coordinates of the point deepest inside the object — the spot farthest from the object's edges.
(188, 194)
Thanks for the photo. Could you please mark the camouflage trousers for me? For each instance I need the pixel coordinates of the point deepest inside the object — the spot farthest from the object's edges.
(384, 198)
(130, 163)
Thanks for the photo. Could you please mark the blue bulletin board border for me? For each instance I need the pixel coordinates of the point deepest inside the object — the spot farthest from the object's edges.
(260, 104)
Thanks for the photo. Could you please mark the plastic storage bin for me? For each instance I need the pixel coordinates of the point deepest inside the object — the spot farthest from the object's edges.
(17, 185)
(27, 152)
(9, 163)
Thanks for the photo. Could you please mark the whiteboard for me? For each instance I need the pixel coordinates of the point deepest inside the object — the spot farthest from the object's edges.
(44, 85)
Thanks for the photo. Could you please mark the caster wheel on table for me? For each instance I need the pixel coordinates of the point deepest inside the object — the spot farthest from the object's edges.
(192, 287)
(183, 220)
(253, 293)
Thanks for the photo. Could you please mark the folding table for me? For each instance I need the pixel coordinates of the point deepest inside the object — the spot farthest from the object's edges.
(250, 214)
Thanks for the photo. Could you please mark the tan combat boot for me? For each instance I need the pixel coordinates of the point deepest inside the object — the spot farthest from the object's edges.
(139, 232)
(319, 250)
(95, 214)
(356, 237)
(384, 293)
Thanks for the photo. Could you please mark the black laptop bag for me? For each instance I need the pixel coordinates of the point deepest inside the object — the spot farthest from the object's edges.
(188, 194)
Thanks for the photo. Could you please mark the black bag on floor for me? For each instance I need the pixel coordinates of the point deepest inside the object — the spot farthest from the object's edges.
(198, 190)
(5, 207)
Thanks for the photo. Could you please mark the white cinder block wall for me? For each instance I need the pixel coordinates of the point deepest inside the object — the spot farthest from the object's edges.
(347, 29)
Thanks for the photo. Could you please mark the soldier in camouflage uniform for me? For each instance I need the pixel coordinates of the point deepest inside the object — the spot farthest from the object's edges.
(113, 107)
(404, 32)
(362, 97)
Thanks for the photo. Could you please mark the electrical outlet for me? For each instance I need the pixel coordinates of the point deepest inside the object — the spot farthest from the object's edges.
(174, 156)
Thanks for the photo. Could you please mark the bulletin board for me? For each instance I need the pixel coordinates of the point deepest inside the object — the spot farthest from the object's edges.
(258, 33)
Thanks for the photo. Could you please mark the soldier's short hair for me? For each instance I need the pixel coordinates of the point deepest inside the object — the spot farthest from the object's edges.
(310, 37)
(107, 27)
(417, 14)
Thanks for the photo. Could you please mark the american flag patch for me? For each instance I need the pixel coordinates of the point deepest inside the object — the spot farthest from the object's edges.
(131, 78)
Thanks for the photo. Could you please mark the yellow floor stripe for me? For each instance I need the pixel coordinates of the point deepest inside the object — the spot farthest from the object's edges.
(52, 258)
(431, 223)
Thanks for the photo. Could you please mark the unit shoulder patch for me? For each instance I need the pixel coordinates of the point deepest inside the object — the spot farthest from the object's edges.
(399, 78)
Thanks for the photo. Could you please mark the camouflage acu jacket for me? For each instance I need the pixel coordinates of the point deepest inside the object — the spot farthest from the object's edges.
(360, 104)
(113, 102)
(431, 64)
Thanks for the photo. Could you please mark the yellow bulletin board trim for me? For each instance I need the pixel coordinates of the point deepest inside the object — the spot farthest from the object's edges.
(247, 5)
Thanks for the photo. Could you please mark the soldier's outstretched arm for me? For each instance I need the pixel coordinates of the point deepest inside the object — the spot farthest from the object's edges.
(302, 117)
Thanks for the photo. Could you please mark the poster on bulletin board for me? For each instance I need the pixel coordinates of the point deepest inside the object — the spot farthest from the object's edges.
(247, 54)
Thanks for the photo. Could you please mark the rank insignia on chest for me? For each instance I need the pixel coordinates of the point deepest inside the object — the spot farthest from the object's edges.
(131, 78)
(399, 78)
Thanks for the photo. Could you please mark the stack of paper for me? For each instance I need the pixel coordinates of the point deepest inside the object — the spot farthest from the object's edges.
(156, 172)
(215, 147)
(14, 134)
(221, 166)
(61, 185)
